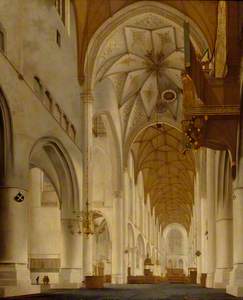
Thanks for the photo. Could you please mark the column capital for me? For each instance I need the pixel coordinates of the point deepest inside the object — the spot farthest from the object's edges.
(87, 96)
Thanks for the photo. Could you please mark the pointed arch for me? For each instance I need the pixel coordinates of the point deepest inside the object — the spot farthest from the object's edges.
(49, 154)
(6, 139)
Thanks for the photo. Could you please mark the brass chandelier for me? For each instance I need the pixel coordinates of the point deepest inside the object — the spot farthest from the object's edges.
(83, 222)
(193, 129)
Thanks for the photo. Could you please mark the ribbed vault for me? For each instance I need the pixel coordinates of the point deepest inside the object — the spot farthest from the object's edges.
(167, 172)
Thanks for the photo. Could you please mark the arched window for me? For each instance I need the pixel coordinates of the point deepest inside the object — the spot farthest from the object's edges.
(181, 264)
(169, 264)
(65, 122)
(48, 100)
(175, 242)
(72, 132)
(57, 112)
(38, 86)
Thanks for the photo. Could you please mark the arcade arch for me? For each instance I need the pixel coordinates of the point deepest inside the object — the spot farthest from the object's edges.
(45, 228)
(51, 166)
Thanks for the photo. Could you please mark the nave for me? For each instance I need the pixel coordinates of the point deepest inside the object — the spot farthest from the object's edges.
(121, 149)
(161, 291)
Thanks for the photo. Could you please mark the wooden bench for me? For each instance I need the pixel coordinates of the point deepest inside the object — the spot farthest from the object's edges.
(176, 276)
(94, 282)
(144, 279)
(107, 278)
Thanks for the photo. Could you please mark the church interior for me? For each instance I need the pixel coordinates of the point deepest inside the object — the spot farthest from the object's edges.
(121, 149)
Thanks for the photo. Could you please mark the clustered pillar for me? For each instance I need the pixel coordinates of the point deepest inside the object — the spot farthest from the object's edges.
(224, 230)
(213, 200)
(117, 240)
(235, 286)
(211, 228)
(14, 241)
(71, 262)
(87, 99)
(219, 215)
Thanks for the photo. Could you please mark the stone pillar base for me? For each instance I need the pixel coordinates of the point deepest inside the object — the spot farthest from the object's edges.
(117, 279)
(198, 278)
(221, 278)
(236, 291)
(69, 278)
(19, 290)
(210, 280)
(15, 280)
(235, 286)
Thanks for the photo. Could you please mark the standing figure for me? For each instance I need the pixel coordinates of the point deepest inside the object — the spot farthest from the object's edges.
(46, 280)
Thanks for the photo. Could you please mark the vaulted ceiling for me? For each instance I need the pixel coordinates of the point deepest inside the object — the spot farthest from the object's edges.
(144, 58)
(90, 15)
(168, 173)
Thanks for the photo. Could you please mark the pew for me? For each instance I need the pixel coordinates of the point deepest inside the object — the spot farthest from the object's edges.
(176, 275)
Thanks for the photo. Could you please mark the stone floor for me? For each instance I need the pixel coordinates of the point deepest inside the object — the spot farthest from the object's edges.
(143, 291)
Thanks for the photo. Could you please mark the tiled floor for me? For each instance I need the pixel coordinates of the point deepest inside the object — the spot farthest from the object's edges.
(144, 291)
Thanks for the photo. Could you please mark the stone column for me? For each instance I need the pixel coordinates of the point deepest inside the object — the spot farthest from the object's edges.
(235, 286)
(224, 230)
(88, 255)
(71, 259)
(132, 254)
(191, 246)
(87, 100)
(224, 257)
(14, 272)
(202, 212)
(126, 216)
(194, 237)
(211, 229)
(203, 235)
(198, 225)
(117, 239)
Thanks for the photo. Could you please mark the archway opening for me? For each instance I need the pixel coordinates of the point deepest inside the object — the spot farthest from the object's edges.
(55, 245)
(168, 182)
(45, 228)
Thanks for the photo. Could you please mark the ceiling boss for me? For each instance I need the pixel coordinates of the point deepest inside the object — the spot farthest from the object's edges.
(152, 67)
